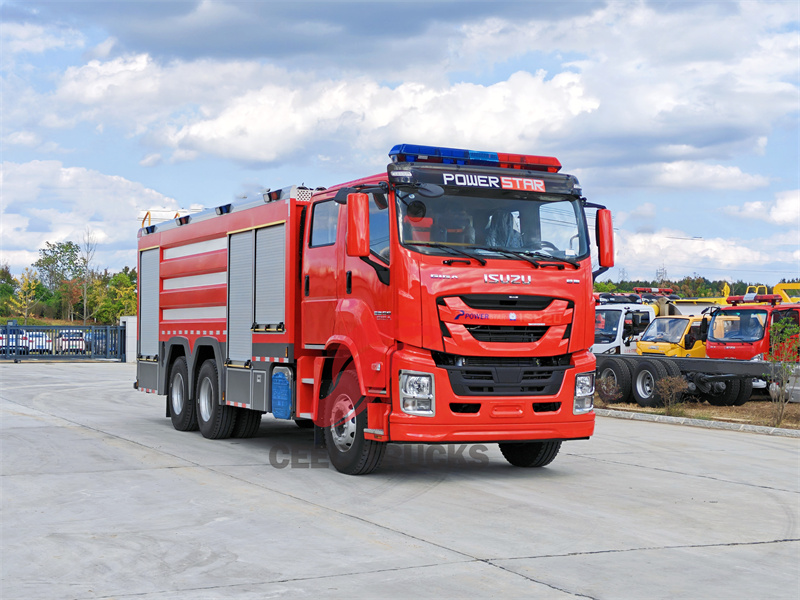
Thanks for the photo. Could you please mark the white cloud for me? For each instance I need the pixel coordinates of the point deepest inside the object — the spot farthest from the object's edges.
(28, 139)
(17, 38)
(783, 210)
(151, 160)
(45, 201)
(686, 174)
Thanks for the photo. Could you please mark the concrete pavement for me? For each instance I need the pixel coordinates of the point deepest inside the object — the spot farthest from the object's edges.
(102, 498)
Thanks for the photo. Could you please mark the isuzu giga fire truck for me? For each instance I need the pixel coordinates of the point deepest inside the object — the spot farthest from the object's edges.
(446, 300)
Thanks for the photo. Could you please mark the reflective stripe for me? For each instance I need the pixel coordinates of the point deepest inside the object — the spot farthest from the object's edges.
(205, 312)
(196, 248)
(179, 283)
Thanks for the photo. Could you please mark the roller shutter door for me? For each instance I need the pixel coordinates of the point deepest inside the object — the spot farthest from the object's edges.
(271, 276)
(240, 296)
(148, 302)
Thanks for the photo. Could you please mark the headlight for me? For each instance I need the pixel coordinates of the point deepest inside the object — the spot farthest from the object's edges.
(584, 393)
(417, 394)
(758, 357)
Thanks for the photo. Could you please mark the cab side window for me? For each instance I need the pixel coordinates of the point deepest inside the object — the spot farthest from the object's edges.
(782, 315)
(379, 226)
(324, 220)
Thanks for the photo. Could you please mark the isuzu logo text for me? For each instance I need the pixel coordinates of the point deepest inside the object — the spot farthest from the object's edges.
(516, 279)
(491, 181)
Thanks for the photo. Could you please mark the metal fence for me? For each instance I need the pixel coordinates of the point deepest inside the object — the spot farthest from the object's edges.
(71, 342)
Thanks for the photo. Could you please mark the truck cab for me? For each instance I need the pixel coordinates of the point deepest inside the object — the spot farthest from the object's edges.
(676, 335)
(742, 331)
(619, 323)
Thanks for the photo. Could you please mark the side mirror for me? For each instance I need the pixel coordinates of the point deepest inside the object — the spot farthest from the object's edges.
(605, 238)
(357, 225)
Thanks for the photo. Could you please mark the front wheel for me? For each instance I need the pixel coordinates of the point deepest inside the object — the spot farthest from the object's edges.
(345, 421)
(530, 454)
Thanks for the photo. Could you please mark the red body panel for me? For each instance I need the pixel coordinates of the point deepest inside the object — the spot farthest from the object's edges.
(337, 303)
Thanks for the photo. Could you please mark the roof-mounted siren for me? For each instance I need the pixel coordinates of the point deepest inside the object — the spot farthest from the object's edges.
(412, 153)
(754, 298)
(272, 196)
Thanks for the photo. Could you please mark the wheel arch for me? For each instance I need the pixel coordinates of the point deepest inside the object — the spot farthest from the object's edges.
(206, 349)
(341, 353)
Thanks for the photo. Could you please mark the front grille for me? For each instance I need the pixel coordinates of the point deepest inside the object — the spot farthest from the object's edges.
(501, 376)
(519, 334)
(506, 302)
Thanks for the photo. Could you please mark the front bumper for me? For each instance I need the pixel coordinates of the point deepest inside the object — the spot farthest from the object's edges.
(487, 418)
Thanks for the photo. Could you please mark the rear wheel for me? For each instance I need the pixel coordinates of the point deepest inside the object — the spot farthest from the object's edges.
(617, 370)
(645, 376)
(745, 391)
(727, 396)
(181, 409)
(215, 421)
(530, 454)
(345, 421)
(248, 422)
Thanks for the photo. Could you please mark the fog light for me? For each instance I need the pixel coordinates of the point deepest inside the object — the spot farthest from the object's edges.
(417, 396)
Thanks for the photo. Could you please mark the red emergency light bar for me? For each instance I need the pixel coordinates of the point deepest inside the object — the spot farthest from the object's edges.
(652, 290)
(760, 298)
(458, 156)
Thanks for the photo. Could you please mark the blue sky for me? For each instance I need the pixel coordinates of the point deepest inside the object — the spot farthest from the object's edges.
(682, 117)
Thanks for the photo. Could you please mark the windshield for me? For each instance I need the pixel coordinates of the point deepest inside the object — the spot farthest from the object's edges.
(742, 325)
(665, 330)
(510, 225)
(606, 325)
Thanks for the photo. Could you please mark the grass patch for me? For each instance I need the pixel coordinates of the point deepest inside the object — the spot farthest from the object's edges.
(757, 411)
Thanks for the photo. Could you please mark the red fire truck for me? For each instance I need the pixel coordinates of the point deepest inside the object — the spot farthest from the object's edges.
(446, 300)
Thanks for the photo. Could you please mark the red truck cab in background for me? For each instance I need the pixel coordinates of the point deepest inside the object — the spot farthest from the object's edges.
(742, 331)
(446, 300)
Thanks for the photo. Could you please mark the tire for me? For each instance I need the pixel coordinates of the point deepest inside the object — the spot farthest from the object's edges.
(727, 397)
(673, 370)
(214, 420)
(345, 421)
(181, 408)
(645, 376)
(617, 369)
(745, 391)
(530, 454)
(248, 422)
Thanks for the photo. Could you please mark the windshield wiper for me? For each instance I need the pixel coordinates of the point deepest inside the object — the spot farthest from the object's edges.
(542, 255)
(512, 253)
(446, 247)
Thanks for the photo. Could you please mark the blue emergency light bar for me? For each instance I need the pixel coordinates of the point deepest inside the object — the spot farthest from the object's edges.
(456, 156)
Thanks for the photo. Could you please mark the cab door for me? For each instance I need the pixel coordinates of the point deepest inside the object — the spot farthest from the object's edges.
(367, 300)
(320, 274)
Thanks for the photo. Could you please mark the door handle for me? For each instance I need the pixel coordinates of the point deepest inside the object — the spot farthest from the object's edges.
(305, 286)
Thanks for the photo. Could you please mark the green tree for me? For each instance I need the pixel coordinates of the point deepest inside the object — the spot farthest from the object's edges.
(114, 299)
(60, 269)
(604, 286)
(784, 353)
(8, 286)
(25, 298)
